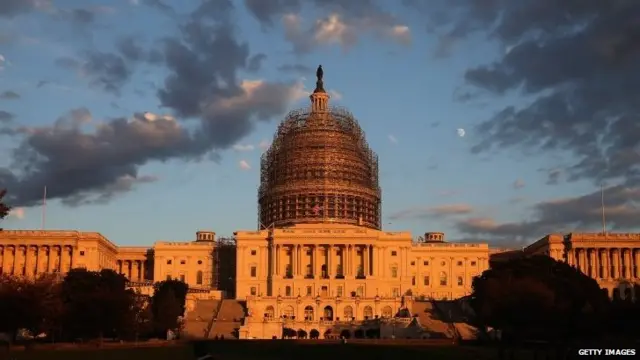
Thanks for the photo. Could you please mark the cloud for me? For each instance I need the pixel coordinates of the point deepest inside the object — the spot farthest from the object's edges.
(12, 8)
(553, 176)
(17, 213)
(158, 5)
(3, 62)
(392, 139)
(335, 94)
(6, 117)
(578, 214)
(432, 212)
(244, 165)
(243, 147)
(587, 109)
(9, 95)
(341, 22)
(518, 184)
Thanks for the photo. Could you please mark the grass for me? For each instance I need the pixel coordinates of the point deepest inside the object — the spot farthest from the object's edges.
(269, 350)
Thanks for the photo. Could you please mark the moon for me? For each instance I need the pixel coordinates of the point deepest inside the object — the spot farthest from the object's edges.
(461, 132)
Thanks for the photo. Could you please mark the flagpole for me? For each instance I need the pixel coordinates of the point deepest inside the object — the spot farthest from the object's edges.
(44, 207)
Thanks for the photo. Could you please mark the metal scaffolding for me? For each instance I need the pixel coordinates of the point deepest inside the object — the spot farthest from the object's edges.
(319, 169)
(224, 265)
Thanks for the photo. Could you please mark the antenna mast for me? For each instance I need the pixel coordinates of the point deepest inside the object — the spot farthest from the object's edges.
(604, 219)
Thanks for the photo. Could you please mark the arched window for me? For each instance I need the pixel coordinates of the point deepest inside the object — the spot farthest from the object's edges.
(288, 312)
(328, 313)
(199, 277)
(348, 312)
(269, 312)
(394, 271)
(309, 270)
(387, 312)
(443, 278)
(368, 312)
(308, 313)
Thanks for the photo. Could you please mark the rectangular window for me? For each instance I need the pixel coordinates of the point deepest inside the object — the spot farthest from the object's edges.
(413, 280)
(360, 291)
(460, 281)
(168, 277)
(183, 262)
(324, 291)
(254, 291)
(394, 272)
(394, 253)
(253, 252)
(287, 291)
(473, 263)
(459, 263)
(339, 290)
(182, 277)
(413, 263)
(309, 291)
(169, 262)
(396, 292)
(425, 263)
(81, 252)
(426, 281)
(254, 271)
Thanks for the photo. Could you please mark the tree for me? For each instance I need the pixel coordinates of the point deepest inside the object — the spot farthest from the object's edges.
(301, 334)
(314, 334)
(4, 208)
(96, 304)
(358, 334)
(538, 297)
(168, 303)
(345, 334)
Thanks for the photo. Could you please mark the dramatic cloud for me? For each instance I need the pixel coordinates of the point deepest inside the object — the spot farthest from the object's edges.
(589, 107)
(84, 161)
(244, 165)
(5, 117)
(432, 212)
(343, 22)
(11, 8)
(9, 95)
(583, 213)
(243, 147)
(518, 184)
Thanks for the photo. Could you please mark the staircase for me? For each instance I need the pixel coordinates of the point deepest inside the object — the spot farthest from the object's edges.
(453, 313)
(197, 321)
(228, 320)
(430, 320)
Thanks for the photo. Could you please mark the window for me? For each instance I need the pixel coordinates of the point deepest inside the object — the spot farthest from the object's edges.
(168, 277)
(309, 291)
(308, 313)
(253, 252)
(269, 312)
(413, 280)
(287, 291)
(339, 290)
(394, 271)
(413, 263)
(81, 252)
(254, 271)
(324, 291)
(460, 281)
(199, 277)
(348, 312)
(360, 291)
(443, 279)
(394, 253)
(254, 291)
(425, 263)
(425, 281)
(199, 262)
(169, 262)
(396, 292)
(473, 263)
(182, 262)
(182, 277)
(368, 312)
(459, 263)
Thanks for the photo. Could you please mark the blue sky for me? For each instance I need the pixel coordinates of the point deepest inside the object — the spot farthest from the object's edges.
(411, 79)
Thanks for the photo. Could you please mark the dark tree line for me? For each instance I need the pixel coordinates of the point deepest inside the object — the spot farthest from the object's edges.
(4, 208)
(88, 305)
(539, 298)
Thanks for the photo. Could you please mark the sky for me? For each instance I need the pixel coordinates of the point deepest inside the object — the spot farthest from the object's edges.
(494, 121)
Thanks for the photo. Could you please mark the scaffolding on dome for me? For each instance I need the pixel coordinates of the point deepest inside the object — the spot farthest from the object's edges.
(319, 169)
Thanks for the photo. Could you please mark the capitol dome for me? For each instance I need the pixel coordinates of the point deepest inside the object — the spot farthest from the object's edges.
(319, 169)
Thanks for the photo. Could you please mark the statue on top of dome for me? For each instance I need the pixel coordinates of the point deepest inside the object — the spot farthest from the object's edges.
(319, 83)
(319, 73)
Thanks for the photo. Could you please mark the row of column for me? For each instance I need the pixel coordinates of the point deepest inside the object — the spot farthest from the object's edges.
(134, 270)
(32, 260)
(608, 263)
(324, 260)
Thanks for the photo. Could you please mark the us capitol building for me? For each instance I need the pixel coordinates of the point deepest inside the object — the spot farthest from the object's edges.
(319, 253)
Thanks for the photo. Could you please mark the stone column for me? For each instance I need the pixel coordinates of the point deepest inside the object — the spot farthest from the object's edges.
(277, 269)
(316, 262)
(64, 259)
(636, 262)
(383, 262)
(615, 254)
(294, 260)
(330, 261)
(30, 260)
(2, 259)
(571, 257)
(628, 265)
(136, 270)
(143, 276)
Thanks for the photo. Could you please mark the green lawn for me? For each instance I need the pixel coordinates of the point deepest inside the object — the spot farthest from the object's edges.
(269, 350)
